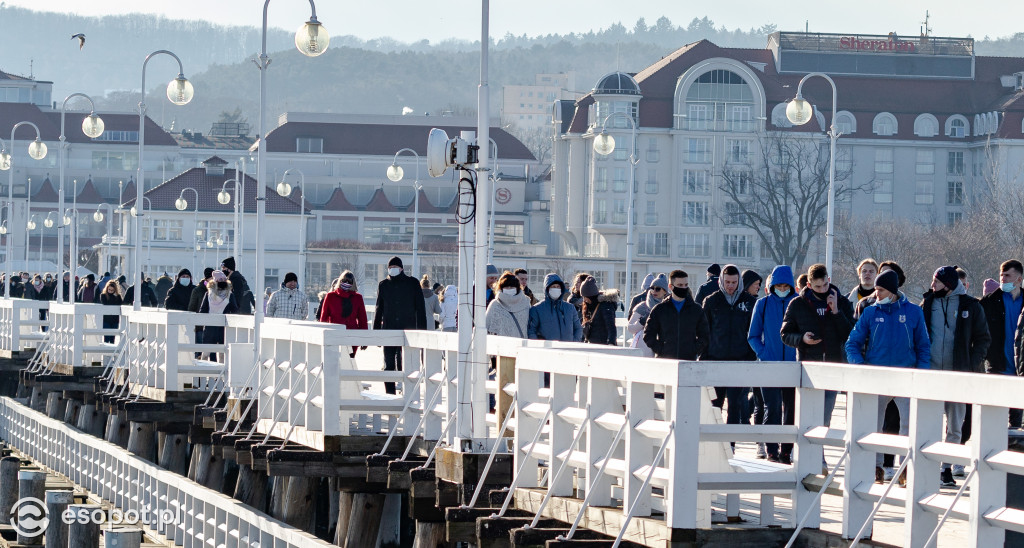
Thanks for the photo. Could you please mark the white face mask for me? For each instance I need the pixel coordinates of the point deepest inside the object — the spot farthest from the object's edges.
(184, 281)
(886, 300)
(509, 291)
(782, 293)
(555, 293)
(394, 271)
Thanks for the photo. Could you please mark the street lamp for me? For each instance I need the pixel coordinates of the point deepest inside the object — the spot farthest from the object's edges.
(32, 226)
(224, 198)
(799, 111)
(604, 144)
(311, 40)
(92, 127)
(179, 92)
(285, 189)
(149, 240)
(181, 204)
(36, 150)
(98, 217)
(396, 173)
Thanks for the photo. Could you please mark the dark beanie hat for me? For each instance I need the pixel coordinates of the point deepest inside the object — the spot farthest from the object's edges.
(291, 277)
(589, 288)
(715, 269)
(229, 263)
(749, 277)
(395, 261)
(948, 276)
(207, 272)
(890, 281)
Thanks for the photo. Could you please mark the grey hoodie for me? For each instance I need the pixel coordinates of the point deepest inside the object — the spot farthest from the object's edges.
(943, 327)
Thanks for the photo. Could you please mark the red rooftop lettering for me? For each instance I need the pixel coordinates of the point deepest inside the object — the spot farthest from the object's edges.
(892, 44)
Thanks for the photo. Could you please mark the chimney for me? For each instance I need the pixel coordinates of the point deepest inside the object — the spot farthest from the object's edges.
(214, 165)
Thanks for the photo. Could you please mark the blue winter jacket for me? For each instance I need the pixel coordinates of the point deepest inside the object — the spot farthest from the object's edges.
(554, 320)
(764, 334)
(895, 335)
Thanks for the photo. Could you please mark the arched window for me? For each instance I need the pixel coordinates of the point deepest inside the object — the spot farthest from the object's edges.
(846, 123)
(884, 124)
(926, 125)
(719, 100)
(956, 126)
(616, 92)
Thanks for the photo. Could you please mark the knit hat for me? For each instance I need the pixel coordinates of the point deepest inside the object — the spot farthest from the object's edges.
(291, 277)
(492, 270)
(715, 269)
(219, 276)
(395, 261)
(749, 277)
(229, 263)
(589, 288)
(948, 276)
(661, 281)
(989, 286)
(648, 279)
(890, 281)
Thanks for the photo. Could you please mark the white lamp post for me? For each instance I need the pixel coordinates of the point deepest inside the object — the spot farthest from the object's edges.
(32, 224)
(311, 40)
(92, 127)
(179, 92)
(181, 204)
(799, 111)
(98, 217)
(36, 150)
(396, 173)
(224, 198)
(137, 264)
(604, 144)
(285, 189)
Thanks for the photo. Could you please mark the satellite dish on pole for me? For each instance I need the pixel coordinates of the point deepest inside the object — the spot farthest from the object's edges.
(439, 152)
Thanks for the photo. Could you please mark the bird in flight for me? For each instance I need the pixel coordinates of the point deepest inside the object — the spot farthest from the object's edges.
(81, 40)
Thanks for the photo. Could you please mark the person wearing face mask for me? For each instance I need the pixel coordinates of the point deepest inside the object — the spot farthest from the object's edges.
(765, 338)
(892, 332)
(574, 297)
(111, 296)
(1003, 312)
(657, 292)
(147, 292)
(400, 305)
(180, 294)
(344, 305)
(728, 311)
(289, 301)
(869, 300)
(239, 287)
(959, 341)
(508, 315)
(89, 292)
(677, 328)
(867, 270)
(642, 295)
(554, 319)
(598, 317)
(218, 300)
(431, 304)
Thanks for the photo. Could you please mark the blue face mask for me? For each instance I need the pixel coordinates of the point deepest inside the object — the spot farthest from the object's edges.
(782, 293)
(1006, 287)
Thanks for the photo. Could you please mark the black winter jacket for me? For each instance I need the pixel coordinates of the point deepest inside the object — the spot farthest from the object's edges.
(681, 335)
(972, 338)
(179, 297)
(802, 317)
(706, 289)
(400, 304)
(995, 314)
(195, 300)
(728, 326)
(600, 327)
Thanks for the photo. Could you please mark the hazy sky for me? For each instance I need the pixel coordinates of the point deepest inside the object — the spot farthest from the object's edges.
(436, 20)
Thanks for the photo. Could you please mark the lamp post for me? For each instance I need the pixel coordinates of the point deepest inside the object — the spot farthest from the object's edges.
(48, 223)
(799, 111)
(98, 217)
(135, 212)
(604, 144)
(494, 195)
(179, 92)
(31, 225)
(36, 150)
(396, 173)
(239, 242)
(181, 204)
(224, 198)
(285, 189)
(120, 225)
(92, 127)
(311, 40)
(71, 219)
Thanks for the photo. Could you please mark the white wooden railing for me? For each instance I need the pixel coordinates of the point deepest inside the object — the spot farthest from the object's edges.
(76, 334)
(20, 326)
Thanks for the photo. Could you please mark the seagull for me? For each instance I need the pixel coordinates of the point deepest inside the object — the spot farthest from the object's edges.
(81, 40)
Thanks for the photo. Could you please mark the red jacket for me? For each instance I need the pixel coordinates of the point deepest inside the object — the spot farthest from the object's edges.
(331, 312)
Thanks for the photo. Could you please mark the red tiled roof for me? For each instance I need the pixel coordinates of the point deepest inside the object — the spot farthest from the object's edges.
(379, 202)
(425, 205)
(163, 196)
(89, 194)
(128, 190)
(338, 202)
(378, 139)
(46, 193)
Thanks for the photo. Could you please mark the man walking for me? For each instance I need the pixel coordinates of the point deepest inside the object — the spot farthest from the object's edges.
(399, 306)
(728, 311)
(553, 319)
(959, 341)
(1003, 310)
(289, 302)
(677, 327)
(711, 285)
(867, 270)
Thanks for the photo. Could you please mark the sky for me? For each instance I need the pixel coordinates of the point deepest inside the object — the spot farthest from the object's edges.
(437, 20)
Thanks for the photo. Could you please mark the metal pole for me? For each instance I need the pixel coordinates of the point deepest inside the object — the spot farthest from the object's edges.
(416, 225)
(120, 227)
(28, 215)
(10, 199)
(630, 214)
(833, 136)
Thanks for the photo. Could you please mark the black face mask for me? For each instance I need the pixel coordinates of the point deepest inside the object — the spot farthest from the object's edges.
(681, 292)
(821, 296)
(941, 293)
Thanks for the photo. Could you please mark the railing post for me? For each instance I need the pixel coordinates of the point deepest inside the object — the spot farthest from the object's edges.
(527, 386)
(604, 398)
(861, 420)
(682, 461)
(922, 473)
(640, 448)
(810, 413)
(988, 487)
(432, 366)
(563, 388)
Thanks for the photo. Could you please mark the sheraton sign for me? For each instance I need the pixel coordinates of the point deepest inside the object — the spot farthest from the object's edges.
(892, 44)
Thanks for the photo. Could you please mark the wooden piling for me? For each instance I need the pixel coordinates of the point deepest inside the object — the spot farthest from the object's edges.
(364, 520)
(122, 537)
(209, 468)
(390, 533)
(56, 529)
(428, 534)
(31, 483)
(298, 498)
(174, 453)
(344, 513)
(251, 489)
(9, 467)
(142, 440)
(117, 430)
(55, 405)
(71, 410)
(37, 400)
(91, 420)
(84, 535)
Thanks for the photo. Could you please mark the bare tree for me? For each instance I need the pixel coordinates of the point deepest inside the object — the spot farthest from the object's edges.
(904, 241)
(781, 192)
(565, 267)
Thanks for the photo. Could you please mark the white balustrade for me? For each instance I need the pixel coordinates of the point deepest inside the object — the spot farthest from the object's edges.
(20, 327)
(77, 335)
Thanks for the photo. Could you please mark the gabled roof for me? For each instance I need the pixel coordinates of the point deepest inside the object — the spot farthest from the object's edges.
(89, 195)
(379, 202)
(49, 124)
(46, 193)
(163, 196)
(425, 205)
(338, 202)
(9, 76)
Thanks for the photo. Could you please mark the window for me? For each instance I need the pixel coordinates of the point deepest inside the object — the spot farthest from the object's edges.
(924, 193)
(925, 162)
(653, 244)
(508, 233)
(737, 151)
(652, 182)
(620, 154)
(316, 273)
(601, 179)
(734, 214)
(371, 273)
(601, 211)
(271, 278)
(619, 215)
(883, 160)
(119, 136)
(382, 232)
(619, 183)
(652, 150)
(695, 245)
(167, 230)
(926, 125)
(652, 213)
(954, 217)
(883, 192)
(955, 163)
(719, 100)
(698, 150)
(309, 144)
(741, 180)
(956, 127)
(846, 124)
(884, 124)
(695, 181)
(737, 246)
(608, 108)
(116, 161)
(206, 230)
(695, 213)
(955, 193)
